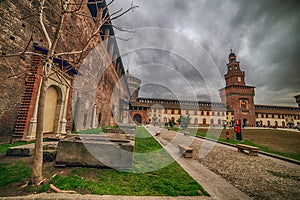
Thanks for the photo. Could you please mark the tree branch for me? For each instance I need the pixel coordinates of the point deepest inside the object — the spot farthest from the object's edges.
(42, 3)
(126, 11)
(59, 27)
(121, 29)
(31, 38)
(23, 53)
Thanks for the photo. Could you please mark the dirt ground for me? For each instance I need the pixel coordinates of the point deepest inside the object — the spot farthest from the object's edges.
(278, 140)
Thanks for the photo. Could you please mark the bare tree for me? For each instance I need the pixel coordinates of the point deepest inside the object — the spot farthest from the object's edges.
(53, 39)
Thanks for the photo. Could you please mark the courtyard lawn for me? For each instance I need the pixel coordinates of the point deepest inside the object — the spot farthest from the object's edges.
(154, 173)
(169, 180)
(280, 142)
(13, 172)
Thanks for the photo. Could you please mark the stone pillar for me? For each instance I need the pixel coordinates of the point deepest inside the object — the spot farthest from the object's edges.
(63, 121)
(33, 121)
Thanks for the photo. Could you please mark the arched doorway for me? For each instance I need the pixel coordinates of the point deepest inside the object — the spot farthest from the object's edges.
(137, 118)
(204, 121)
(212, 122)
(52, 109)
(196, 122)
(245, 122)
(283, 124)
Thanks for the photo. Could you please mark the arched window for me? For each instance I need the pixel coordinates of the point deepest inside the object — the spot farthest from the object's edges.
(211, 121)
(204, 121)
(244, 105)
(196, 122)
(165, 119)
(219, 122)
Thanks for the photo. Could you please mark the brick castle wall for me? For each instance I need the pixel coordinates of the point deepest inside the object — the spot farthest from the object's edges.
(16, 27)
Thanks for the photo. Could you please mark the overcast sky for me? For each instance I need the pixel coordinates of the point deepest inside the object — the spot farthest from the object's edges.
(180, 48)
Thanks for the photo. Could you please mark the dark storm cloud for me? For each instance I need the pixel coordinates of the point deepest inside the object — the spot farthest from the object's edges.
(263, 33)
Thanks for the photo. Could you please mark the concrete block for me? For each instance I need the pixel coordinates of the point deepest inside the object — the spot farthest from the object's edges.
(95, 151)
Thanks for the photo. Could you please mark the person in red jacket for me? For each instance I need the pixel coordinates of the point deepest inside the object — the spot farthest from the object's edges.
(227, 135)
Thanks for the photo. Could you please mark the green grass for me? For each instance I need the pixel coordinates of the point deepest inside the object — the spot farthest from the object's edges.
(144, 142)
(4, 147)
(99, 130)
(13, 172)
(168, 180)
(91, 131)
(247, 142)
(282, 175)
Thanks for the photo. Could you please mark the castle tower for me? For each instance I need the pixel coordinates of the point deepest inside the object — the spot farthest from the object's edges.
(237, 95)
(297, 98)
(134, 86)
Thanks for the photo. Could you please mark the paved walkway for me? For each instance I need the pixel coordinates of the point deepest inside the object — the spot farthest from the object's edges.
(214, 184)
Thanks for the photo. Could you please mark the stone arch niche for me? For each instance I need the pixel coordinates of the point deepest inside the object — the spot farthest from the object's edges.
(137, 118)
(53, 107)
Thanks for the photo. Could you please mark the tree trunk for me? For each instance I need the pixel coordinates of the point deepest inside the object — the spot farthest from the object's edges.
(37, 167)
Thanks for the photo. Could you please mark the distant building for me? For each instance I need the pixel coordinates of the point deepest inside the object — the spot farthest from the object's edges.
(237, 103)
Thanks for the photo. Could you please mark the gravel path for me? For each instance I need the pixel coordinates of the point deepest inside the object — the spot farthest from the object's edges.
(260, 177)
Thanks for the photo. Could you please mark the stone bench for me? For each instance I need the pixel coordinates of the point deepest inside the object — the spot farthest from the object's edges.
(253, 151)
(185, 150)
(186, 133)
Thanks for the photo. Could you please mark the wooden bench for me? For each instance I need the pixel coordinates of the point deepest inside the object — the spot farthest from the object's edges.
(185, 150)
(253, 151)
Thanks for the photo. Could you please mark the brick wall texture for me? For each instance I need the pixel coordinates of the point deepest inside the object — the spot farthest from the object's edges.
(18, 24)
